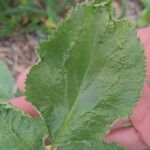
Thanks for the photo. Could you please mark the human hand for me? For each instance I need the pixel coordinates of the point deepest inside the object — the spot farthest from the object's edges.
(137, 135)
(134, 132)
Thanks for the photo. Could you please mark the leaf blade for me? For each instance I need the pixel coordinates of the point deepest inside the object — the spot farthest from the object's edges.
(87, 77)
(6, 82)
(19, 131)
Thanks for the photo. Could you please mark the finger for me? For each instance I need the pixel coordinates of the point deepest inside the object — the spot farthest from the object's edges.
(126, 137)
(24, 105)
(141, 113)
(144, 35)
(120, 123)
(21, 79)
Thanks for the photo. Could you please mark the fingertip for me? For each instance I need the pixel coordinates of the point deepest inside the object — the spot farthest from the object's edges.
(24, 105)
(21, 79)
(126, 137)
(143, 33)
(120, 123)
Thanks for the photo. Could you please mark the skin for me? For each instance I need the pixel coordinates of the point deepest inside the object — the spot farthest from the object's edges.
(134, 132)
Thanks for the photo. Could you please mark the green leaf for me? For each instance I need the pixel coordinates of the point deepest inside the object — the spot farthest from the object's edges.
(91, 72)
(6, 82)
(100, 2)
(74, 3)
(145, 18)
(94, 145)
(19, 131)
(146, 3)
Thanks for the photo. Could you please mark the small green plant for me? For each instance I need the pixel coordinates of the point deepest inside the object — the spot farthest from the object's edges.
(31, 15)
(145, 14)
(91, 72)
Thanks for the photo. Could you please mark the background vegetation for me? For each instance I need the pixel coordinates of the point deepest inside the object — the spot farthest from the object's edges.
(31, 15)
(40, 16)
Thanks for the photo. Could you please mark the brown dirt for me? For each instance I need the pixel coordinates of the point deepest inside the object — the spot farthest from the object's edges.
(18, 52)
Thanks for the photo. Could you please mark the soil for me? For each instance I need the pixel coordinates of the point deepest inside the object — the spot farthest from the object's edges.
(18, 51)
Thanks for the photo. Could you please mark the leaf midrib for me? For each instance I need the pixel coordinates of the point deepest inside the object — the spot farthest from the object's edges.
(63, 128)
